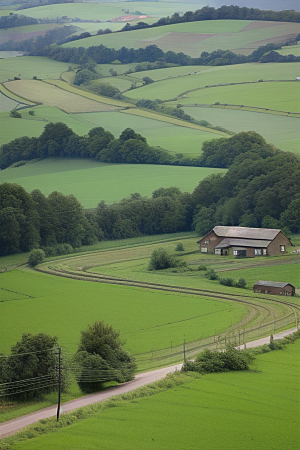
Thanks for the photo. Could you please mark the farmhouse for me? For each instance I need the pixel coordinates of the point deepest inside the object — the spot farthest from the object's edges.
(274, 287)
(244, 241)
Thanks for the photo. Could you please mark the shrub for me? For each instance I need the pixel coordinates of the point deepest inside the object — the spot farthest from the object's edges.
(201, 267)
(227, 281)
(161, 259)
(212, 361)
(179, 247)
(31, 113)
(241, 283)
(15, 114)
(211, 274)
(36, 257)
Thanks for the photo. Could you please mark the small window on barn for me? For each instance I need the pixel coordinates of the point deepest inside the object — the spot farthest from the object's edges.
(206, 242)
(218, 251)
(204, 249)
(264, 251)
(235, 252)
(282, 248)
(257, 252)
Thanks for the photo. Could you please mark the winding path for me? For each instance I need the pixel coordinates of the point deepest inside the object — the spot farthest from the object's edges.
(13, 426)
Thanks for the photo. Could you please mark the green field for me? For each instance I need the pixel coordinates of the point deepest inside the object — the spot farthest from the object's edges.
(195, 37)
(27, 67)
(34, 302)
(92, 182)
(282, 131)
(208, 76)
(257, 409)
(290, 50)
(178, 139)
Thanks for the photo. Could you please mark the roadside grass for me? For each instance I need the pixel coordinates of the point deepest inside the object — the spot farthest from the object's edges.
(195, 37)
(208, 76)
(257, 409)
(147, 319)
(282, 131)
(27, 67)
(98, 180)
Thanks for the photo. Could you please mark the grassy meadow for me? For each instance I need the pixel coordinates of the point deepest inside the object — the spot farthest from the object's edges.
(98, 180)
(35, 302)
(235, 410)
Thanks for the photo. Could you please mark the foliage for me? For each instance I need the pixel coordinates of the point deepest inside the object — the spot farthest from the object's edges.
(179, 247)
(211, 361)
(161, 259)
(101, 357)
(15, 114)
(36, 257)
(31, 368)
(211, 274)
(84, 76)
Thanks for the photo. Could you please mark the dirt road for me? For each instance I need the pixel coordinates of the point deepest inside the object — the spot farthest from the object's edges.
(13, 426)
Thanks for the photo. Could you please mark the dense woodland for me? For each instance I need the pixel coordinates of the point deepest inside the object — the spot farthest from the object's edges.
(260, 188)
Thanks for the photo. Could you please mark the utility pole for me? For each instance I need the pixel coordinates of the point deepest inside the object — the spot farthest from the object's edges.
(59, 383)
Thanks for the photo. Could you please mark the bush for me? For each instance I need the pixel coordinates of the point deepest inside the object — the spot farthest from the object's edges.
(212, 361)
(15, 114)
(241, 283)
(36, 257)
(161, 259)
(227, 281)
(179, 247)
(201, 267)
(211, 274)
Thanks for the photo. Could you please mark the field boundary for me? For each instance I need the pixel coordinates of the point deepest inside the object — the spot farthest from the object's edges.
(12, 96)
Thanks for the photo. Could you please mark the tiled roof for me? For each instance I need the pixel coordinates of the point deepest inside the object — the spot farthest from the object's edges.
(271, 283)
(246, 233)
(229, 242)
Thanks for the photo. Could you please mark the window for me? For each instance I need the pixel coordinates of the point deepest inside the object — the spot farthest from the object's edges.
(204, 249)
(257, 252)
(206, 242)
(264, 251)
(218, 251)
(282, 248)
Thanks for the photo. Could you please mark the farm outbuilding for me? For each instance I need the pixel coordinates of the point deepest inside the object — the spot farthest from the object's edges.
(244, 241)
(274, 287)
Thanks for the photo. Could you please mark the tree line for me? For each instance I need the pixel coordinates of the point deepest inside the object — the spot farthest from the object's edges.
(261, 188)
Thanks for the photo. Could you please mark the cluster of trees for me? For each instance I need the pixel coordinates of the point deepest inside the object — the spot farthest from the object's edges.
(59, 140)
(225, 12)
(32, 367)
(28, 221)
(16, 20)
(260, 188)
(57, 35)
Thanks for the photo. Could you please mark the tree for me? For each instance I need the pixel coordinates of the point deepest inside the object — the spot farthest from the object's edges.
(100, 357)
(161, 259)
(36, 257)
(31, 368)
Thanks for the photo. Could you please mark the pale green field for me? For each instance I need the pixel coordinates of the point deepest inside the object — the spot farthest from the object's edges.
(92, 182)
(146, 319)
(207, 76)
(290, 50)
(282, 131)
(27, 67)
(257, 409)
(213, 34)
(178, 139)
(25, 32)
(108, 10)
(278, 96)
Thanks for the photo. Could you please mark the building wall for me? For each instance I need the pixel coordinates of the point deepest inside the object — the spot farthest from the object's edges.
(287, 290)
(212, 240)
(275, 246)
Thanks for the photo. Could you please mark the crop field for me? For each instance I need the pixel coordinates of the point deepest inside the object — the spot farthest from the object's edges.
(209, 76)
(50, 95)
(241, 36)
(27, 67)
(92, 182)
(35, 302)
(236, 410)
(282, 131)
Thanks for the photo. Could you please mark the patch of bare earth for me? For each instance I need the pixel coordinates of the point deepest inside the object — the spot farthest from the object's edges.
(180, 38)
(51, 95)
(260, 24)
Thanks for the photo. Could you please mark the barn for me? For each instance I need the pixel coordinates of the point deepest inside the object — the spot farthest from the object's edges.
(244, 241)
(274, 287)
